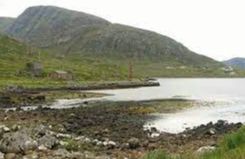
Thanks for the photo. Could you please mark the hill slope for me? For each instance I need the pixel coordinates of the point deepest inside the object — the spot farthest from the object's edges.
(70, 32)
(130, 42)
(5, 22)
(14, 57)
(236, 62)
(47, 25)
(91, 46)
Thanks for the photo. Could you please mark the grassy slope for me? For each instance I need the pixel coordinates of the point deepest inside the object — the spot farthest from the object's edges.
(14, 56)
(232, 146)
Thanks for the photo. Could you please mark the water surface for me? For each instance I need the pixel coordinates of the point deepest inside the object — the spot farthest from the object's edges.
(227, 96)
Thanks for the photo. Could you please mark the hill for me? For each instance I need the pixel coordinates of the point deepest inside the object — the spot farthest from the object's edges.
(95, 49)
(47, 25)
(5, 22)
(236, 62)
(68, 32)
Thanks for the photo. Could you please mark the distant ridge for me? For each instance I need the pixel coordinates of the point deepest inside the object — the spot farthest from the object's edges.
(237, 62)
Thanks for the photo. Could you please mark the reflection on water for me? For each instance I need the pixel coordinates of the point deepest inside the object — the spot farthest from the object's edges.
(228, 96)
(200, 89)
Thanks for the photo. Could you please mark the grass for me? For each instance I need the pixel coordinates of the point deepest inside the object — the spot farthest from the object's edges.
(232, 146)
(86, 68)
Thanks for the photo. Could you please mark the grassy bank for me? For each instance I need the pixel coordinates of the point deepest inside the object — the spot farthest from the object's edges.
(87, 67)
(232, 146)
(88, 70)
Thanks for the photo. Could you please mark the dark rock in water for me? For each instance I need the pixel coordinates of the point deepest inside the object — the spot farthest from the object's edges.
(212, 129)
(134, 143)
(17, 142)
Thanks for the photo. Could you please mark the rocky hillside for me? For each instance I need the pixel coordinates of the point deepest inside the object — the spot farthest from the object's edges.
(5, 22)
(236, 62)
(68, 32)
(47, 25)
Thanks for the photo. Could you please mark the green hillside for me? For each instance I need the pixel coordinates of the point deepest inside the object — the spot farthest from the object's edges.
(93, 49)
(14, 57)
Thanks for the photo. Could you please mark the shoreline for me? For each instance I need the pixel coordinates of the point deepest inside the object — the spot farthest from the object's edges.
(28, 96)
(100, 86)
(115, 129)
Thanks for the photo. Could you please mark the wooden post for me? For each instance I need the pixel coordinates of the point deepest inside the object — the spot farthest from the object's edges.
(130, 71)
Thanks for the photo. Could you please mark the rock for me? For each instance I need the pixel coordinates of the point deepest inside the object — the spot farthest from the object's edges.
(109, 144)
(87, 140)
(125, 146)
(60, 135)
(153, 135)
(17, 142)
(80, 138)
(153, 130)
(40, 130)
(32, 155)
(134, 143)
(10, 156)
(61, 128)
(48, 141)
(4, 128)
(63, 143)
(205, 149)
(1, 155)
(15, 127)
(62, 153)
(145, 143)
(211, 131)
(42, 148)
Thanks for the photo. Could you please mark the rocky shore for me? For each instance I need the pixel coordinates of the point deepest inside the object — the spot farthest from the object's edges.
(15, 96)
(102, 130)
(102, 85)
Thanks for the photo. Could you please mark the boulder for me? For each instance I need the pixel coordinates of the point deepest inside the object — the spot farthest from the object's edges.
(205, 149)
(4, 128)
(32, 155)
(1, 155)
(133, 143)
(48, 141)
(40, 130)
(10, 156)
(17, 142)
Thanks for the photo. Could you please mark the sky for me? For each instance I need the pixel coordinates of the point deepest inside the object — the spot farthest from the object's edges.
(215, 28)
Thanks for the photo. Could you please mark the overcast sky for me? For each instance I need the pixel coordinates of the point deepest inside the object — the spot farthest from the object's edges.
(215, 28)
